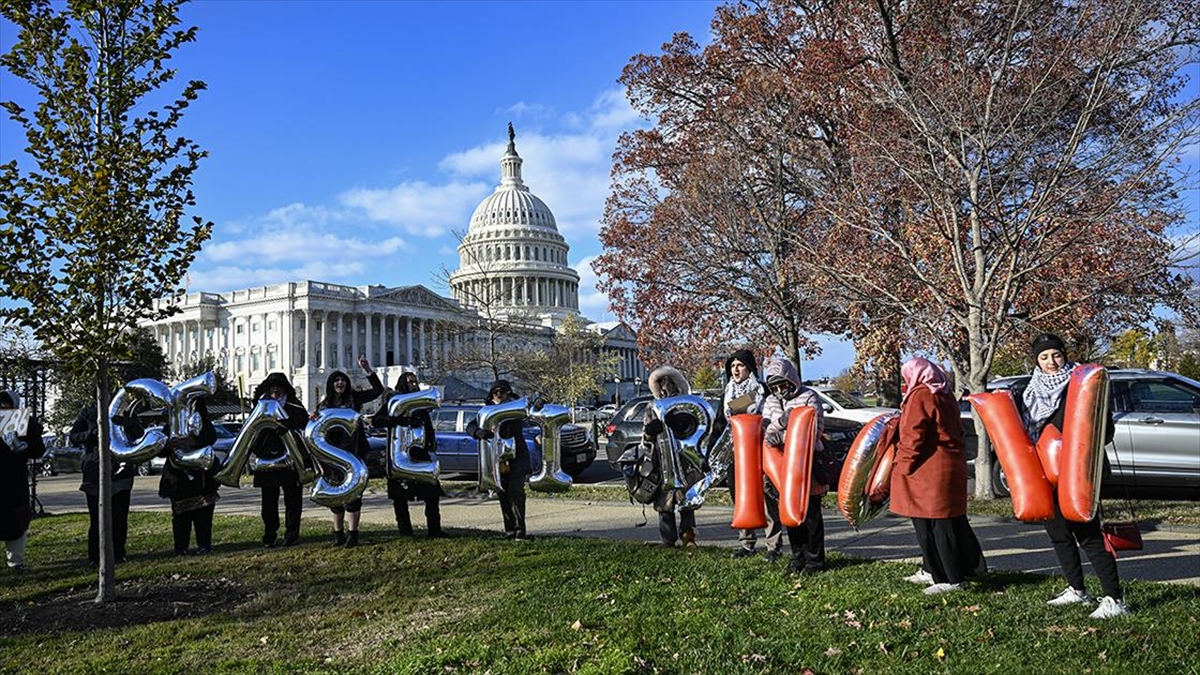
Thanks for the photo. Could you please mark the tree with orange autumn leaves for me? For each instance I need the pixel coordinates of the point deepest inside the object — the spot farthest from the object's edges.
(951, 176)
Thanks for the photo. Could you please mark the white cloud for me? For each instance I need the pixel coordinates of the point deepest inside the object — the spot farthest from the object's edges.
(418, 207)
(567, 163)
(290, 243)
(592, 303)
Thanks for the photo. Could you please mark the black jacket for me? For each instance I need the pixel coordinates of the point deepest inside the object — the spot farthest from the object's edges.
(521, 464)
(178, 484)
(354, 399)
(14, 481)
(85, 433)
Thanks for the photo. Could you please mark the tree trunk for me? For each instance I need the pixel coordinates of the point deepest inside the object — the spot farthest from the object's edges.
(793, 346)
(887, 374)
(107, 587)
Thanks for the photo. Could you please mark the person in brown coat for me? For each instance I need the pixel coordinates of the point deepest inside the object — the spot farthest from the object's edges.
(929, 481)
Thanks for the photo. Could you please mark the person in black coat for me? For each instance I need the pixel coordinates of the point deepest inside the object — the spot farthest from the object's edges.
(85, 433)
(15, 453)
(1044, 403)
(193, 492)
(400, 491)
(340, 394)
(276, 386)
(512, 494)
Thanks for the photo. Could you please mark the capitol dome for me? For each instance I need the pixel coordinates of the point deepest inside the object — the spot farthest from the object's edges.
(513, 261)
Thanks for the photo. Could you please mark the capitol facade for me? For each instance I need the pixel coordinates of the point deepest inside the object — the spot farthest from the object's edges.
(512, 268)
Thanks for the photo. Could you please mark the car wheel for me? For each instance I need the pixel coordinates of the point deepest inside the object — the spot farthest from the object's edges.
(143, 469)
(48, 468)
(576, 470)
(999, 480)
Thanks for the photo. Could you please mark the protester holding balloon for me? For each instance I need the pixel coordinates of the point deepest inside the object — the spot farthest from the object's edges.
(401, 490)
(668, 382)
(515, 472)
(744, 395)
(807, 540)
(84, 433)
(340, 394)
(1044, 404)
(269, 446)
(929, 479)
(15, 453)
(193, 492)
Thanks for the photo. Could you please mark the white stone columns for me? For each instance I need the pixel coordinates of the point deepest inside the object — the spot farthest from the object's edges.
(370, 320)
(199, 340)
(396, 339)
(408, 355)
(323, 362)
(421, 336)
(307, 339)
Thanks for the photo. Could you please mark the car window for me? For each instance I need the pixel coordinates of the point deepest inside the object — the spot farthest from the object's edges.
(1161, 397)
(843, 399)
(223, 432)
(636, 411)
(445, 420)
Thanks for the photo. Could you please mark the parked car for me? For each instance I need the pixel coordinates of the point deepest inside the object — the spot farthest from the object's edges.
(60, 458)
(225, 438)
(605, 412)
(459, 453)
(1157, 439)
(840, 405)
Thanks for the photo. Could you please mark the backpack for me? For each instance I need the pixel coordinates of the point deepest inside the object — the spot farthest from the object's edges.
(643, 473)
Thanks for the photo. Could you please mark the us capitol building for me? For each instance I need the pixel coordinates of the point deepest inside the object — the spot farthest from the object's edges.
(512, 268)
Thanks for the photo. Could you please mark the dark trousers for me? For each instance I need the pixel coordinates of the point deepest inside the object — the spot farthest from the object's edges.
(293, 504)
(808, 540)
(433, 513)
(1068, 537)
(667, 532)
(512, 503)
(949, 549)
(201, 519)
(120, 521)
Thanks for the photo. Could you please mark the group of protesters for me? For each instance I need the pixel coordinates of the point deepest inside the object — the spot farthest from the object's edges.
(194, 492)
(928, 480)
(928, 483)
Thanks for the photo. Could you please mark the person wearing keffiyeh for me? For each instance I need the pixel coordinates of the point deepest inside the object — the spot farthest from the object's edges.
(1045, 404)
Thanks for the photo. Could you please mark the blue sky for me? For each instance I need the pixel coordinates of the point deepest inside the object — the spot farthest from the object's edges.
(348, 141)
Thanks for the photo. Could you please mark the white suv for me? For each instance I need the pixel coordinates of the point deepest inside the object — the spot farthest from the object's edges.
(841, 405)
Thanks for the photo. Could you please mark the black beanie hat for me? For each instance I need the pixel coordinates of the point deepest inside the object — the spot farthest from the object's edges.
(746, 357)
(1048, 341)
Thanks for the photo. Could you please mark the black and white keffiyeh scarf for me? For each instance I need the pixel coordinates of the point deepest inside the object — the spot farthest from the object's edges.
(1043, 396)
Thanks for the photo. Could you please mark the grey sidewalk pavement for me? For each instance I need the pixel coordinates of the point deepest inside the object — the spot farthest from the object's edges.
(1171, 553)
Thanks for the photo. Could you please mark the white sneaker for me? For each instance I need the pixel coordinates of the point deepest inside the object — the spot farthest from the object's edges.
(921, 578)
(938, 589)
(1070, 596)
(1110, 608)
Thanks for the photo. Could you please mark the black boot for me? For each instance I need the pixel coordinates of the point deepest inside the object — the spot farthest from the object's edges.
(339, 538)
(352, 539)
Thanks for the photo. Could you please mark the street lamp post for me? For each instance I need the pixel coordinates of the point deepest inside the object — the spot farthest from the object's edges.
(617, 391)
(637, 381)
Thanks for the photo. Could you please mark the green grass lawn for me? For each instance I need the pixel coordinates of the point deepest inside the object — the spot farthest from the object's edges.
(476, 603)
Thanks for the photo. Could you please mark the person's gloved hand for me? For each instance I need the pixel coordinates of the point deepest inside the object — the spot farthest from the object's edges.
(653, 428)
(482, 434)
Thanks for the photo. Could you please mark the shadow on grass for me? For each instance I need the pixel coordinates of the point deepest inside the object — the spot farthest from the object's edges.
(139, 601)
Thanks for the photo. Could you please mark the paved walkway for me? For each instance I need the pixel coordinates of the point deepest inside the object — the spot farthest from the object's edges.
(1171, 554)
